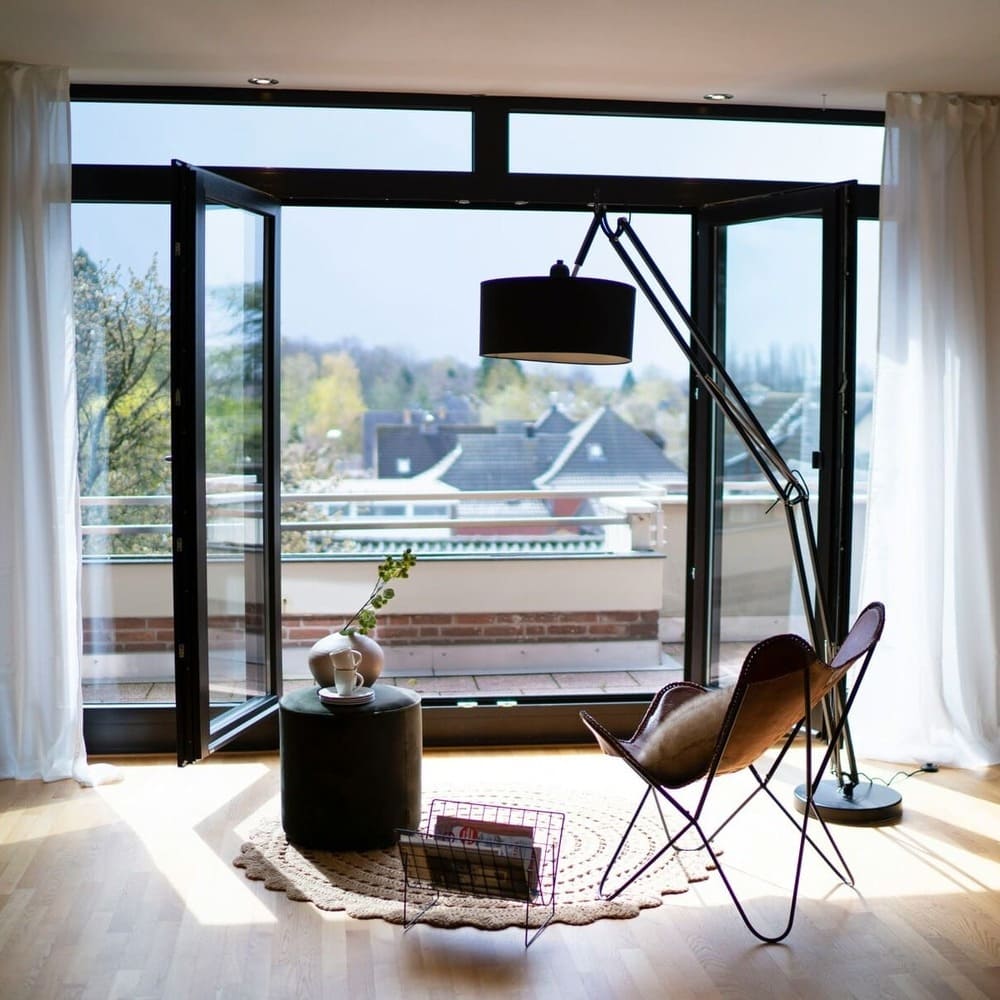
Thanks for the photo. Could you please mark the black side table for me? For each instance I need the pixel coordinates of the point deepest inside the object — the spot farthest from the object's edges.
(350, 775)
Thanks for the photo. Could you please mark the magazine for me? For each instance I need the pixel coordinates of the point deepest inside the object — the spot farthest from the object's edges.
(479, 856)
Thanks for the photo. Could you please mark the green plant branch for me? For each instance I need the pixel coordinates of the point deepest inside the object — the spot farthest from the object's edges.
(364, 620)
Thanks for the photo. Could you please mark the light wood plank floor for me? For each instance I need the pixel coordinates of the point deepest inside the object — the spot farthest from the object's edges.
(128, 891)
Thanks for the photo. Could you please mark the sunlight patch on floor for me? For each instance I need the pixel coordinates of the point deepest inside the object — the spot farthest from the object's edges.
(200, 872)
(19, 826)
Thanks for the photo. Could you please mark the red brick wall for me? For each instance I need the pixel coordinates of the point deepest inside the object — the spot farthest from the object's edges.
(118, 635)
(128, 635)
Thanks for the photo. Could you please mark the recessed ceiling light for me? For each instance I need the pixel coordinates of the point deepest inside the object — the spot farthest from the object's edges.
(263, 81)
(718, 97)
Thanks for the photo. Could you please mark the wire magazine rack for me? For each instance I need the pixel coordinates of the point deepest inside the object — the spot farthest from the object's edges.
(472, 848)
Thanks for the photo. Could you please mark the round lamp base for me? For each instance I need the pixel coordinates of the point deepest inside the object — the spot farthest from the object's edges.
(867, 804)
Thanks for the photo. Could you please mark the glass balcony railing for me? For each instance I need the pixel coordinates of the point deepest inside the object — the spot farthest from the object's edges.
(623, 519)
(507, 581)
(503, 599)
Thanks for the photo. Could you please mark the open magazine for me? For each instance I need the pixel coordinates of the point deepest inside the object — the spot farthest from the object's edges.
(478, 856)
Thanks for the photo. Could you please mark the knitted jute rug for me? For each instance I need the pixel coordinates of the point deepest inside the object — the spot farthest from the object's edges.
(369, 884)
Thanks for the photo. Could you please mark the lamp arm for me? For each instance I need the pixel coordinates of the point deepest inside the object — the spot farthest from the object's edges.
(786, 483)
(599, 221)
(708, 368)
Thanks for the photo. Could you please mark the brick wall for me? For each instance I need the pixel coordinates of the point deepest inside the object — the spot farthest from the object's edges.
(128, 635)
(121, 635)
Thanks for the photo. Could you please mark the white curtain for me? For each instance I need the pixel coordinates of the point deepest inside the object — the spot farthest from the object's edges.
(41, 714)
(932, 550)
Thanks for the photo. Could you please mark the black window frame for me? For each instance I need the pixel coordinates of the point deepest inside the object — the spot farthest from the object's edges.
(489, 184)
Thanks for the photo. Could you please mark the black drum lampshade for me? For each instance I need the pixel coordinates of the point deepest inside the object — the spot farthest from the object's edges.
(570, 320)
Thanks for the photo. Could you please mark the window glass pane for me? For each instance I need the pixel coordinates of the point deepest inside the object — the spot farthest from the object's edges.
(380, 365)
(388, 408)
(122, 313)
(233, 366)
(380, 317)
(773, 349)
(679, 147)
(263, 136)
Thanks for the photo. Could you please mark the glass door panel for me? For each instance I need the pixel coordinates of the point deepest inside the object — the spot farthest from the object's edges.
(225, 485)
(776, 294)
(121, 300)
(773, 346)
(234, 434)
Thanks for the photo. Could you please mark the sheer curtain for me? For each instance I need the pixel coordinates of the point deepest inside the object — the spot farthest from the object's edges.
(41, 715)
(932, 549)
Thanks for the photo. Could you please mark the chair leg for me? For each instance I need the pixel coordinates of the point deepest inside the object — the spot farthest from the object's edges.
(846, 876)
(654, 858)
(744, 916)
(707, 841)
(763, 784)
(693, 824)
(804, 838)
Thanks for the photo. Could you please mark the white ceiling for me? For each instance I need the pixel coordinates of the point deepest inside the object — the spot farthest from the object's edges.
(780, 52)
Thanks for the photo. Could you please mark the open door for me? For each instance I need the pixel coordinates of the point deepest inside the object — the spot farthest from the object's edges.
(226, 495)
(775, 291)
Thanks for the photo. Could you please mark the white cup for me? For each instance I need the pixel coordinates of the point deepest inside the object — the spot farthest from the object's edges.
(345, 671)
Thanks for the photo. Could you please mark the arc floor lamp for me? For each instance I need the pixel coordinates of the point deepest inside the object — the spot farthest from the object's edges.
(570, 319)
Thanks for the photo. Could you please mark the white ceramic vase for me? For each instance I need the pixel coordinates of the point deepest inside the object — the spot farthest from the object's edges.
(321, 661)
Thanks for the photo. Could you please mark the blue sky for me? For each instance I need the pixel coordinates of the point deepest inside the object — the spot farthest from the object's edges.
(409, 279)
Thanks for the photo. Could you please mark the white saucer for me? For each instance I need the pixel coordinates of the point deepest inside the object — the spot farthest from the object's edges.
(329, 696)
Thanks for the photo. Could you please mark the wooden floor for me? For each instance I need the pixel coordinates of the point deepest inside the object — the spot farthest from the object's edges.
(128, 891)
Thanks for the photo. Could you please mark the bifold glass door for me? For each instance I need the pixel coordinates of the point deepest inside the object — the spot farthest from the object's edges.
(225, 486)
(776, 282)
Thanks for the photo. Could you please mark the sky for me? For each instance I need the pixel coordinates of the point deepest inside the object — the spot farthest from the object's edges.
(409, 278)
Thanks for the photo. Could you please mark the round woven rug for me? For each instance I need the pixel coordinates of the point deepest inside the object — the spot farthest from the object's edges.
(369, 884)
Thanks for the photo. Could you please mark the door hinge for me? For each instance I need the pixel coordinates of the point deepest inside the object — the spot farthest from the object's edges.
(179, 545)
(180, 651)
(177, 248)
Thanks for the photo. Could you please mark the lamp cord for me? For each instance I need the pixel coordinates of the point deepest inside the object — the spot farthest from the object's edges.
(923, 769)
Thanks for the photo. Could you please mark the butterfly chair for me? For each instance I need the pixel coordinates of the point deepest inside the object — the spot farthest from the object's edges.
(690, 733)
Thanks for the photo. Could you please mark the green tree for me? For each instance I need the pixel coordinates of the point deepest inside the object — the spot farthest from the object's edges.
(498, 374)
(299, 368)
(123, 396)
(123, 376)
(335, 405)
(234, 371)
(388, 379)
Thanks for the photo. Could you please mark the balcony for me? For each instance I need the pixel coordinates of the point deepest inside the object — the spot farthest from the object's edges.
(579, 604)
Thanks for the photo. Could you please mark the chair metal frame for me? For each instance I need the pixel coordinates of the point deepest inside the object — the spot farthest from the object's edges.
(859, 645)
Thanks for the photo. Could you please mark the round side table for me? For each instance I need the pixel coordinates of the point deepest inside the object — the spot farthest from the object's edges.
(350, 774)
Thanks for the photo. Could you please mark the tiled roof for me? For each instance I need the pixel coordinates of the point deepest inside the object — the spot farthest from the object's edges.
(554, 421)
(418, 447)
(501, 461)
(452, 411)
(785, 416)
(604, 448)
(371, 422)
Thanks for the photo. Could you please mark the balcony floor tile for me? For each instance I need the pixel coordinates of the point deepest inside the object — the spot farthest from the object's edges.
(434, 685)
(581, 683)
